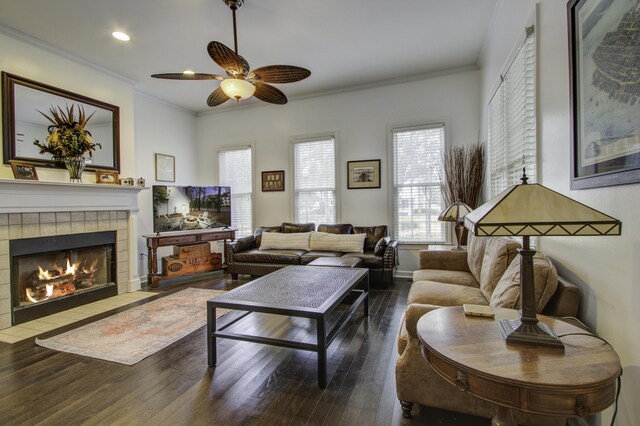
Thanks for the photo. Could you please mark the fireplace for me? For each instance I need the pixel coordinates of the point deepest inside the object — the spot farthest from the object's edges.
(54, 273)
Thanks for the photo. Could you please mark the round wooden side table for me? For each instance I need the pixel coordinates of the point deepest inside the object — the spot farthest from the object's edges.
(470, 353)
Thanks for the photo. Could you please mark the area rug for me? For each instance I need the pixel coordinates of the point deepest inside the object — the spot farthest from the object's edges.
(130, 336)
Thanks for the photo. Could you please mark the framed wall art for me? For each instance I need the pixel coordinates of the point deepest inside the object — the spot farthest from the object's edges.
(24, 171)
(107, 177)
(165, 168)
(605, 92)
(273, 181)
(363, 174)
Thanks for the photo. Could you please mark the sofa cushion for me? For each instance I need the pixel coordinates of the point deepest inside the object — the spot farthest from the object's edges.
(312, 255)
(475, 253)
(369, 260)
(498, 254)
(288, 228)
(282, 257)
(339, 228)
(442, 294)
(381, 246)
(444, 276)
(374, 233)
(291, 241)
(545, 278)
(323, 241)
(261, 229)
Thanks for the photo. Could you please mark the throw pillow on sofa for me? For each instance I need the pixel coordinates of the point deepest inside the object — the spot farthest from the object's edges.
(545, 278)
(351, 243)
(498, 254)
(381, 246)
(281, 241)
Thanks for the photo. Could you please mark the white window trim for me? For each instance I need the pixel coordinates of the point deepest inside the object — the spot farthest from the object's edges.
(394, 127)
(252, 146)
(311, 138)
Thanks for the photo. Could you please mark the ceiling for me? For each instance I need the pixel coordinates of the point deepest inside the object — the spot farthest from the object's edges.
(345, 43)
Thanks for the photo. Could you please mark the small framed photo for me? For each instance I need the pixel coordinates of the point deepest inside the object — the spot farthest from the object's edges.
(24, 171)
(273, 181)
(363, 174)
(165, 168)
(107, 176)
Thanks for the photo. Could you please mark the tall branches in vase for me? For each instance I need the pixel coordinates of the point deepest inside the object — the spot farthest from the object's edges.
(463, 175)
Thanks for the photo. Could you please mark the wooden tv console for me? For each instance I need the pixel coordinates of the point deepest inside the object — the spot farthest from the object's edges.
(165, 239)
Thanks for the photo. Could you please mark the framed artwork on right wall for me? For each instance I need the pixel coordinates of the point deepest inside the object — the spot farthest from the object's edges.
(605, 92)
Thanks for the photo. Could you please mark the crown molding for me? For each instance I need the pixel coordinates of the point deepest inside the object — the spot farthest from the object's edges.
(170, 104)
(347, 89)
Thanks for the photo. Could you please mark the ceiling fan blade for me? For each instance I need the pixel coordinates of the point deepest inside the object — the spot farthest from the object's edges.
(182, 76)
(280, 73)
(266, 92)
(231, 62)
(217, 97)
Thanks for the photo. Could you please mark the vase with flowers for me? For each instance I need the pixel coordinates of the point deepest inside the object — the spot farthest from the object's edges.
(68, 140)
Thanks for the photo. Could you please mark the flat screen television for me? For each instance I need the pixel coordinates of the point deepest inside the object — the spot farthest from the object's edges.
(185, 208)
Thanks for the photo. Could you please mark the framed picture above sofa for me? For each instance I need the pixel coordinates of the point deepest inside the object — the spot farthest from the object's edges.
(363, 174)
(273, 181)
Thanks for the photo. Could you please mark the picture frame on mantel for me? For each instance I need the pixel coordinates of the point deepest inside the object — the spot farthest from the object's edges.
(165, 168)
(273, 181)
(363, 174)
(605, 130)
(24, 171)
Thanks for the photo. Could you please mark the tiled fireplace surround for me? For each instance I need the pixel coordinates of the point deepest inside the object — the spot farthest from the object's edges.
(38, 209)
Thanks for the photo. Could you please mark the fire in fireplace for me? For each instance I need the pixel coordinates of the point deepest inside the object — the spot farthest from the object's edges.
(51, 274)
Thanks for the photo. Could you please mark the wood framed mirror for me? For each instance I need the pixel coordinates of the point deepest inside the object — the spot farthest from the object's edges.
(22, 123)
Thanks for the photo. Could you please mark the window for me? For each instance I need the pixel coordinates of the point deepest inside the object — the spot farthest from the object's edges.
(512, 120)
(236, 172)
(417, 196)
(314, 170)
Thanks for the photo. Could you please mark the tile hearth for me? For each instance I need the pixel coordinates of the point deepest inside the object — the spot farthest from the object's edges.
(42, 325)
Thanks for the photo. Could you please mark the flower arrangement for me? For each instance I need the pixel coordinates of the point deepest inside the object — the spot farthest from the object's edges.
(67, 134)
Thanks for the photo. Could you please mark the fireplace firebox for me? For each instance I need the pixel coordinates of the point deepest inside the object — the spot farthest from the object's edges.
(52, 274)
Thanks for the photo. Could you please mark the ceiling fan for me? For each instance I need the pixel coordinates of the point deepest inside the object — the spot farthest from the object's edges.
(241, 82)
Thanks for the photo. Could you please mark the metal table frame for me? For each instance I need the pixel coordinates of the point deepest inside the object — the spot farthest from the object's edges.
(323, 338)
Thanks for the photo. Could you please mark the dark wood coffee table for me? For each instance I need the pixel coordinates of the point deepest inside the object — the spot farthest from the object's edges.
(297, 291)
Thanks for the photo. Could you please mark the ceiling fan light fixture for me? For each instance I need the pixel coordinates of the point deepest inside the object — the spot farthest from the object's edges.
(237, 89)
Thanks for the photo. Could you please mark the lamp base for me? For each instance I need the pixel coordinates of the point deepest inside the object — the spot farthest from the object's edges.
(458, 248)
(516, 331)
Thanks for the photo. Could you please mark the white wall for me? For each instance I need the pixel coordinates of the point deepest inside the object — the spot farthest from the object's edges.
(362, 119)
(164, 129)
(606, 268)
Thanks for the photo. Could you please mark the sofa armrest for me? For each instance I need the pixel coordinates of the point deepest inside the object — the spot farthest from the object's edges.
(565, 301)
(444, 259)
(415, 311)
(244, 244)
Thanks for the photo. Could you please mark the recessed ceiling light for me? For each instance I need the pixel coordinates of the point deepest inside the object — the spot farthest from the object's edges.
(188, 72)
(120, 35)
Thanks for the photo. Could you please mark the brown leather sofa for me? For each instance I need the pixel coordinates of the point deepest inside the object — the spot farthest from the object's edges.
(485, 274)
(379, 253)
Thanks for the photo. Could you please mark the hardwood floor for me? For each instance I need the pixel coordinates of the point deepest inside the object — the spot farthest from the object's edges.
(252, 383)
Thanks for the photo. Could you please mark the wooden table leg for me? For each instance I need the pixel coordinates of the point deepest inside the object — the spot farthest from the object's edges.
(322, 353)
(366, 296)
(153, 279)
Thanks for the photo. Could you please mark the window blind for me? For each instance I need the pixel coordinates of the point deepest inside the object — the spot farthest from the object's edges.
(236, 172)
(417, 194)
(314, 164)
(512, 121)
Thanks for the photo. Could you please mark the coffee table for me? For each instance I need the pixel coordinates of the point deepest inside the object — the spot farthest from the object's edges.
(296, 291)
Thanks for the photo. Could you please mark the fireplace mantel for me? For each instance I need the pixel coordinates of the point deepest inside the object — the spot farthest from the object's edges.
(23, 196)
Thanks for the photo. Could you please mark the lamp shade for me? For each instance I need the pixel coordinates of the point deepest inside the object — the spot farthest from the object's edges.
(535, 210)
(237, 89)
(455, 212)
